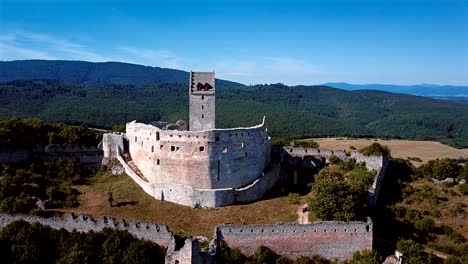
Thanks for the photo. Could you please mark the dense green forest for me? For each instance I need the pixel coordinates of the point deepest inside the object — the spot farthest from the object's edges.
(25, 184)
(93, 73)
(19, 133)
(21, 242)
(299, 111)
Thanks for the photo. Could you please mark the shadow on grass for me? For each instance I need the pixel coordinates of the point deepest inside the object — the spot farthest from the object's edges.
(120, 204)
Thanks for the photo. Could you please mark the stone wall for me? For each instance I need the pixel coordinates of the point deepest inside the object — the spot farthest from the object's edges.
(315, 152)
(379, 164)
(215, 159)
(89, 157)
(112, 145)
(157, 233)
(328, 239)
(15, 155)
(186, 195)
(202, 101)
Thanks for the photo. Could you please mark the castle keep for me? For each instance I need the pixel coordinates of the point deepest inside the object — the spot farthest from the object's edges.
(197, 165)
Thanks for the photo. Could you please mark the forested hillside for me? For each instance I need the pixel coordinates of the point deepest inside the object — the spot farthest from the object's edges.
(300, 111)
(92, 73)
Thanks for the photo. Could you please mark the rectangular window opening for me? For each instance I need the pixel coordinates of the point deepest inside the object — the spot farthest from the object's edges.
(152, 148)
(202, 149)
(172, 148)
(219, 170)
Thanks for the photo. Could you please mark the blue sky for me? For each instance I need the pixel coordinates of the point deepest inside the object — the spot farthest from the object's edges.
(293, 42)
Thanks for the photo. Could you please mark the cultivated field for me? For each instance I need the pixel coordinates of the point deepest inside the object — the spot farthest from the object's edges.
(132, 203)
(425, 150)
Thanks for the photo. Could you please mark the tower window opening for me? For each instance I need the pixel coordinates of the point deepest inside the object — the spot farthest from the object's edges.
(136, 139)
(202, 107)
(243, 145)
(217, 138)
(152, 148)
(219, 170)
(161, 146)
(173, 148)
(202, 149)
(203, 97)
(157, 135)
(202, 116)
(225, 150)
(177, 148)
(158, 162)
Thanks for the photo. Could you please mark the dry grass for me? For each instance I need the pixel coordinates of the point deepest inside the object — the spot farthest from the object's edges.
(135, 204)
(425, 150)
(449, 210)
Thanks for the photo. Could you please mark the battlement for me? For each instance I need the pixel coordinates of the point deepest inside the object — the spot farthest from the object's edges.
(157, 233)
(331, 239)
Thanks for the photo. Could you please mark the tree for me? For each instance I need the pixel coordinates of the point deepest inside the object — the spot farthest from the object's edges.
(365, 257)
(119, 128)
(375, 149)
(265, 255)
(336, 198)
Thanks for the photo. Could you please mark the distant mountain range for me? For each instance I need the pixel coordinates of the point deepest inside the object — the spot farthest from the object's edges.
(428, 90)
(94, 73)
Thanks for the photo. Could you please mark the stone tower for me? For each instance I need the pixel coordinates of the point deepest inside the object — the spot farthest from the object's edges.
(202, 101)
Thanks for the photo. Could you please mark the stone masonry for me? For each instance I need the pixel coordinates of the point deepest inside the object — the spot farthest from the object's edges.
(331, 239)
(202, 166)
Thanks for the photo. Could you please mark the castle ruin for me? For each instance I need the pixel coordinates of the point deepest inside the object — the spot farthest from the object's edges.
(198, 165)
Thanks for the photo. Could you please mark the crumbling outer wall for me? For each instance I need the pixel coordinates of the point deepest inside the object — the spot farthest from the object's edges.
(214, 159)
(112, 145)
(89, 157)
(328, 239)
(157, 233)
(379, 164)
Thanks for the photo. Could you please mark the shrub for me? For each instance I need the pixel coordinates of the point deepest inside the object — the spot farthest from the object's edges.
(463, 188)
(375, 149)
(365, 257)
(334, 159)
(425, 225)
(265, 255)
(305, 144)
(294, 198)
(336, 198)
